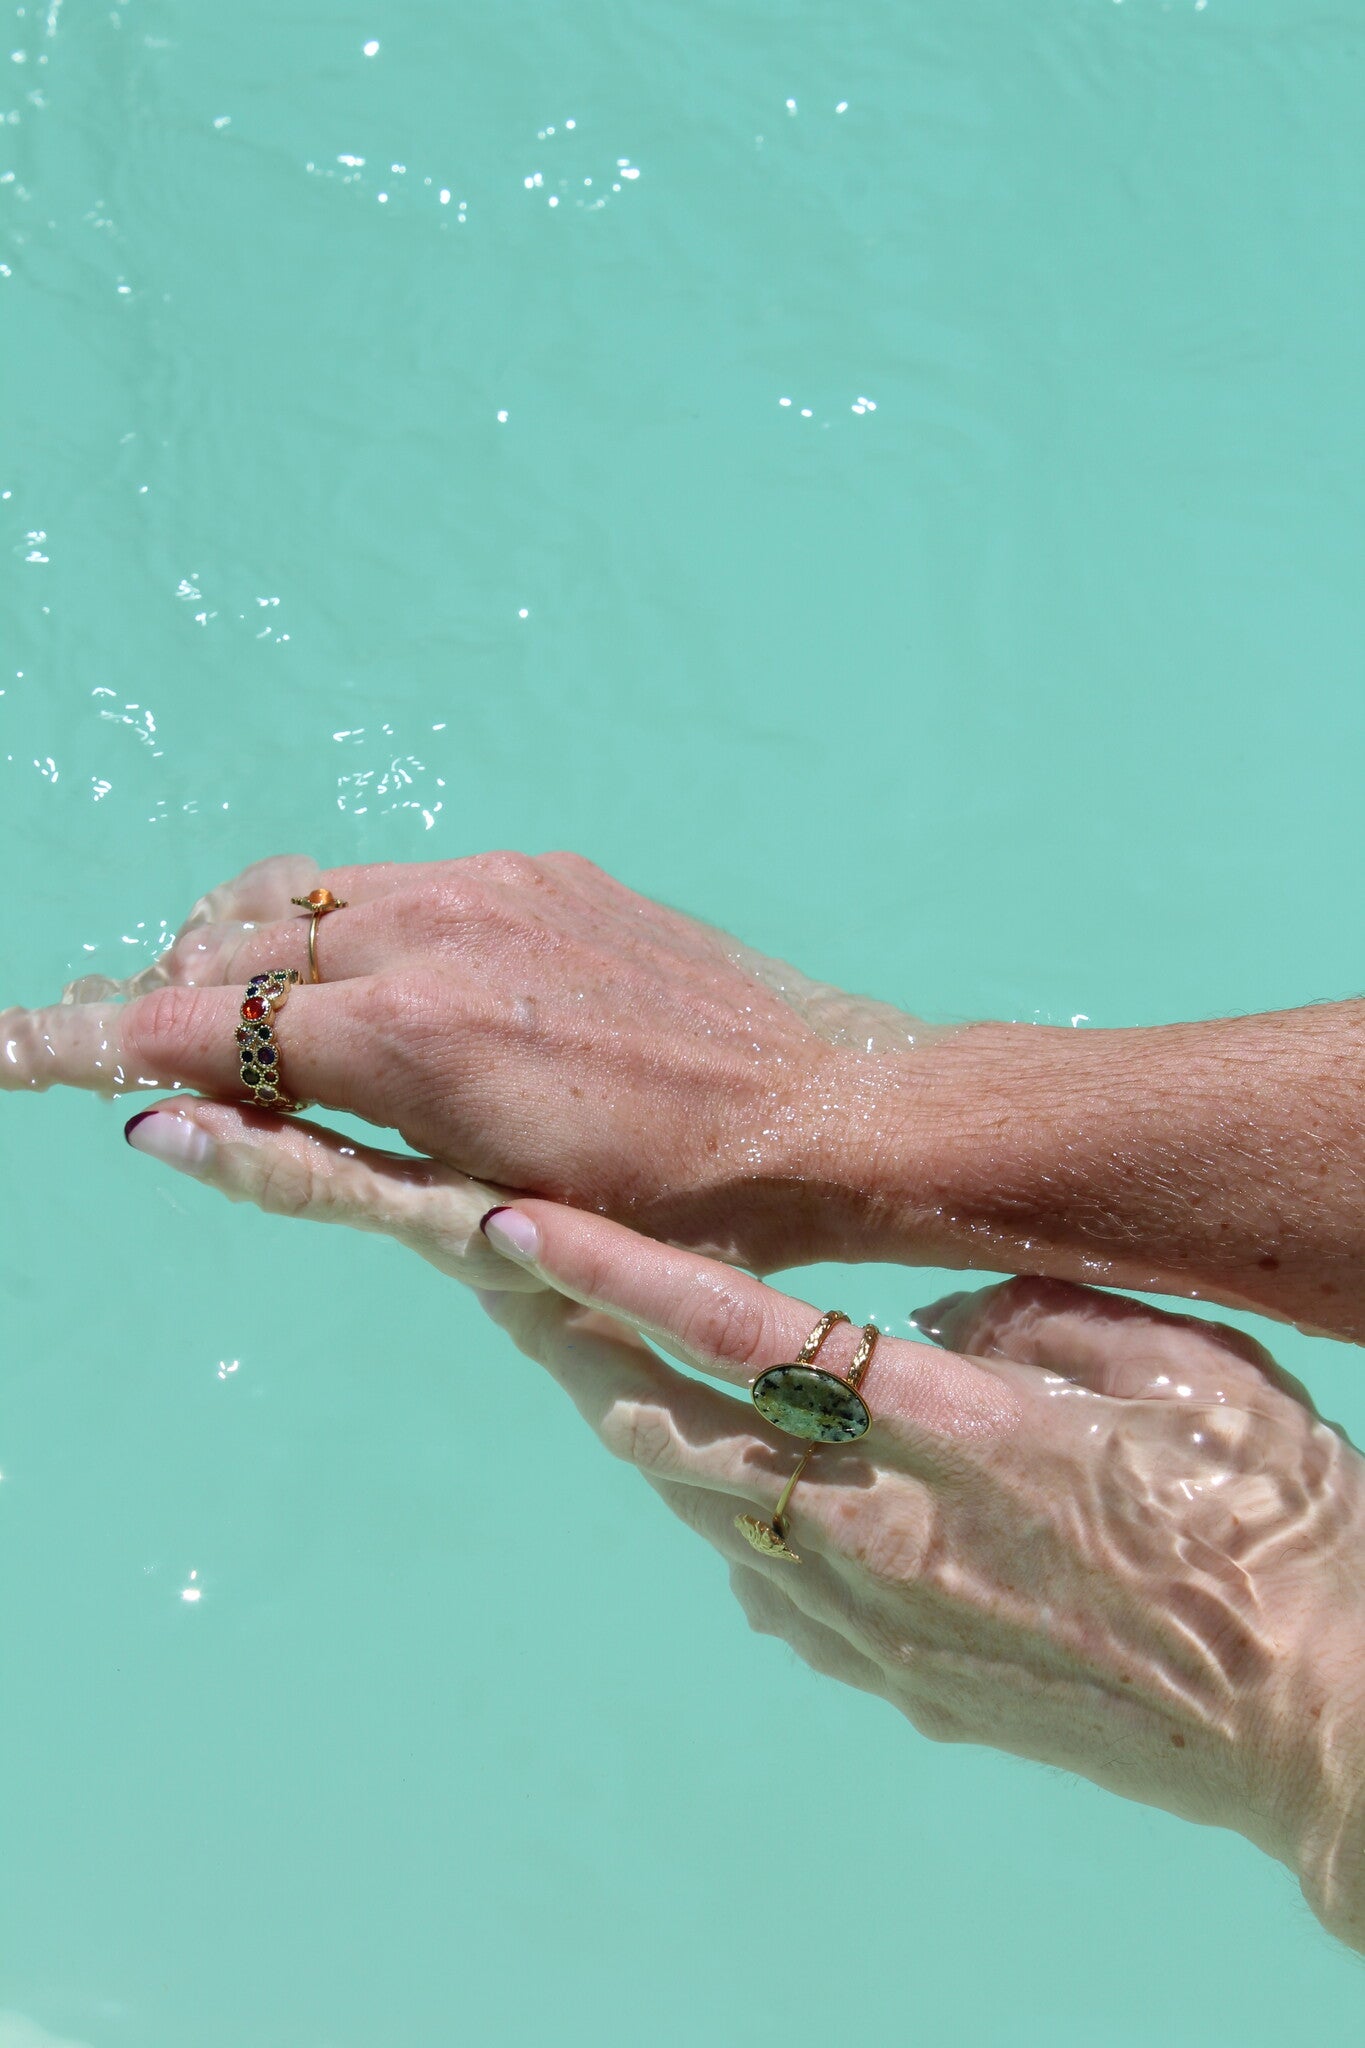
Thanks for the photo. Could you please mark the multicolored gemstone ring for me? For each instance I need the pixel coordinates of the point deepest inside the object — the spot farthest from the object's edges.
(256, 1046)
(803, 1400)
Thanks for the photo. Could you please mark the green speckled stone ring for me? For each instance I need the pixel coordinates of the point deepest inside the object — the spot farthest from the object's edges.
(805, 1401)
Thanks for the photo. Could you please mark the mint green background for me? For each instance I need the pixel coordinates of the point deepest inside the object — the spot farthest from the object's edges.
(1037, 691)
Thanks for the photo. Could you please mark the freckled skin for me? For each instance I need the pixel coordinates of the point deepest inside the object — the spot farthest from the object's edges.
(534, 1023)
(1086, 1591)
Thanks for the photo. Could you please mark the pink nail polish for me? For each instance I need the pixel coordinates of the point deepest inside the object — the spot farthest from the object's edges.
(511, 1233)
(172, 1139)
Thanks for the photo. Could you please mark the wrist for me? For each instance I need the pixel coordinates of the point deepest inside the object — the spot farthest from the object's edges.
(1224, 1159)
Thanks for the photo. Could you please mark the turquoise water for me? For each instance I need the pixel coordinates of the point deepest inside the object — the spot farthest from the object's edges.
(1011, 668)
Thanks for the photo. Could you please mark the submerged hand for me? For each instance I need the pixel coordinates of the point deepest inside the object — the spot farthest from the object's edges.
(1113, 1540)
(524, 1021)
(1109, 1539)
(535, 1024)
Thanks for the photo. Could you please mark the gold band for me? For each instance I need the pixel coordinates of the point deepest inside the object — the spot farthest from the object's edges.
(257, 1050)
(319, 902)
(806, 1401)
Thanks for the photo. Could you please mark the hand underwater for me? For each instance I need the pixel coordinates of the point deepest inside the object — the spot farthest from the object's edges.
(541, 1027)
(1114, 1540)
(521, 1020)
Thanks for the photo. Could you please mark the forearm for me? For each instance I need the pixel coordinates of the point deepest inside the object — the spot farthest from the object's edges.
(1224, 1160)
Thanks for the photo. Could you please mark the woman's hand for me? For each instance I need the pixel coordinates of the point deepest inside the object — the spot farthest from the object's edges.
(529, 1022)
(535, 1024)
(1113, 1540)
(1117, 1541)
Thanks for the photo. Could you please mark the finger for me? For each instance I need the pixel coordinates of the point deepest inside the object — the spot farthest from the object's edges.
(672, 1429)
(808, 1585)
(713, 1317)
(262, 890)
(333, 1044)
(75, 1046)
(770, 1610)
(361, 938)
(1107, 1342)
(291, 1168)
(251, 921)
(695, 1446)
(265, 891)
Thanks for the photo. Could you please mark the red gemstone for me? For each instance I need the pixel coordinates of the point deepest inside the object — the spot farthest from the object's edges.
(253, 1008)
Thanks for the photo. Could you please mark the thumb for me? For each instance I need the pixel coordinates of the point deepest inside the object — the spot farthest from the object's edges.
(1108, 1343)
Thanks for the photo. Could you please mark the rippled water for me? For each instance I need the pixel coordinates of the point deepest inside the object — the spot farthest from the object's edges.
(887, 478)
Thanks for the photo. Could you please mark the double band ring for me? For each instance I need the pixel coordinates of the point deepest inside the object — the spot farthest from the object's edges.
(803, 1400)
(257, 1051)
(319, 902)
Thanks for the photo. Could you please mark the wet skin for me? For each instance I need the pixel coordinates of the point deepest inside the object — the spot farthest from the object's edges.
(1114, 1540)
(1108, 1539)
(531, 1022)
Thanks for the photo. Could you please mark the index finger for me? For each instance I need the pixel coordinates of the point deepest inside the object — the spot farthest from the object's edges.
(734, 1327)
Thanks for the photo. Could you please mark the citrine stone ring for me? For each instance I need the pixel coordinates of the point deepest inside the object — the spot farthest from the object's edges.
(319, 902)
(804, 1400)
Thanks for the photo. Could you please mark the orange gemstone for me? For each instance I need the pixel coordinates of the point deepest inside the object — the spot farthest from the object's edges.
(320, 898)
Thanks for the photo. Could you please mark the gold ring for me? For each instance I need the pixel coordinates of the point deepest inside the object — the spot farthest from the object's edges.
(319, 901)
(259, 1054)
(804, 1400)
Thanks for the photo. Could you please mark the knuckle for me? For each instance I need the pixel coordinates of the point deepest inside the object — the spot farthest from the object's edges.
(442, 902)
(205, 954)
(983, 1323)
(725, 1321)
(170, 1020)
(642, 1434)
(287, 1186)
(891, 1533)
(509, 868)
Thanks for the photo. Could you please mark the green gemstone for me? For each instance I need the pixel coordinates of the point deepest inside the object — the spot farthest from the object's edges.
(809, 1403)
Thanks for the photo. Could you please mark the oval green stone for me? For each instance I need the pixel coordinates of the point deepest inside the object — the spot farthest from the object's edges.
(806, 1402)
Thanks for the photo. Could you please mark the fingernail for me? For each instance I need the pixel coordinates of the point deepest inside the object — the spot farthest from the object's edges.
(172, 1139)
(511, 1233)
(930, 1321)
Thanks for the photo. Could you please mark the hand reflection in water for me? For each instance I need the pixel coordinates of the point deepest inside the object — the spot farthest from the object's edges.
(1114, 1540)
